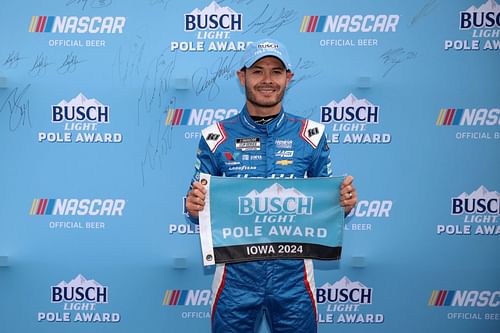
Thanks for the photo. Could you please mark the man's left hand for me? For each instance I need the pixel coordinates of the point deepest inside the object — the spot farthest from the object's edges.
(348, 194)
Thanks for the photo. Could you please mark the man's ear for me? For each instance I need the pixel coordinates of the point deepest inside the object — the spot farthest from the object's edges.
(289, 77)
(241, 77)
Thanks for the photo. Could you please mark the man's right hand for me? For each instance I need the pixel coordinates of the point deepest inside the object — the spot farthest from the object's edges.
(195, 200)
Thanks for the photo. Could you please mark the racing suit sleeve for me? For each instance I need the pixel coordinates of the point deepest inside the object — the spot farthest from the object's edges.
(205, 163)
(321, 164)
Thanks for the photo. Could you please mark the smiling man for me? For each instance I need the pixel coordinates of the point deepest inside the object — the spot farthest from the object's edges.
(264, 141)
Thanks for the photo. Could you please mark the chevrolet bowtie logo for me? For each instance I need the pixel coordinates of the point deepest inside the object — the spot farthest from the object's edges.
(284, 162)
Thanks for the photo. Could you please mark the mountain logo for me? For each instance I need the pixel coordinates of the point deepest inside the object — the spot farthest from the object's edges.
(486, 16)
(344, 291)
(79, 290)
(350, 109)
(80, 109)
(213, 17)
(480, 201)
(275, 199)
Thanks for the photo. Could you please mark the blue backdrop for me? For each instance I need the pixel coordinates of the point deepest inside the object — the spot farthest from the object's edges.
(101, 107)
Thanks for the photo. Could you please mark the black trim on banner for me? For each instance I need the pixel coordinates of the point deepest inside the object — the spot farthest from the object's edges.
(249, 252)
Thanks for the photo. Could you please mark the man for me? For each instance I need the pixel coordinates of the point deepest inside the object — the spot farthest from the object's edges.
(264, 141)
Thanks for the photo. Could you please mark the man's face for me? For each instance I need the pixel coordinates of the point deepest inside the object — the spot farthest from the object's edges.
(265, 82)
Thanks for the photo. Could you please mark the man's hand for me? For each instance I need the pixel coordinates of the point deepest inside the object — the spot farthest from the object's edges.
(195, 200)
(348, 194)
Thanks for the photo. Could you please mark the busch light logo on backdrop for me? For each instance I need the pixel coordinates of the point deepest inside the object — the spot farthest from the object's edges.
(346, 24)
(197, 117)
(80, 300)
(213, 17)
(343, 301)
(79, 290)
(480, 27)
(189, 301)
(351, 119)
(81, 119)
(482, 302)
(80, 109)
(75, 25)
(480, 212)
(463, 120)
(83, 213)
(213, 26)
(487, 16)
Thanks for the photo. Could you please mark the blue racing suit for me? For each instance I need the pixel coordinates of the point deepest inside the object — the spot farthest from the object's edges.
(283, 289)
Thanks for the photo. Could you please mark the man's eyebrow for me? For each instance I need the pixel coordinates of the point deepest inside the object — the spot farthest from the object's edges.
(273, 68)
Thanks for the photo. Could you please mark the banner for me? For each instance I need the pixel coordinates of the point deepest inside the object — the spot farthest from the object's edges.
(248, 219)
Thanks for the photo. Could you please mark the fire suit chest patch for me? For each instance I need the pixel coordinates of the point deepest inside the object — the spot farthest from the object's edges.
(247, 144)
(312, 132)
(214, 135)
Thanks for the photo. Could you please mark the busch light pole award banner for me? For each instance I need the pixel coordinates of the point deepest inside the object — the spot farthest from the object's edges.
(257, 218)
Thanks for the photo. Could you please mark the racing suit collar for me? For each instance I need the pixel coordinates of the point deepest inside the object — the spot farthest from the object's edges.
(271, 126)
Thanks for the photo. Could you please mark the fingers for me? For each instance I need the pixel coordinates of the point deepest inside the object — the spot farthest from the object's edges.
(195, 201)
(347, 189)
(348, 194)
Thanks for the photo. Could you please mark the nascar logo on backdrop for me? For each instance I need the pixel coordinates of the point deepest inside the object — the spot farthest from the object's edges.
(80, 118)
(488, 120)
(189, 301)
(368, 209)
(343, 301)
(212, 26)
(481, 301)
(480, 212)
(80, 299)
(344, 24)
(350, 119)
(197, 117)
(77, 25)
(480, 27)
(76, 209)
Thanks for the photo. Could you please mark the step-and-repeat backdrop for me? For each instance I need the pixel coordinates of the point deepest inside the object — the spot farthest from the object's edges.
(101, 107)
